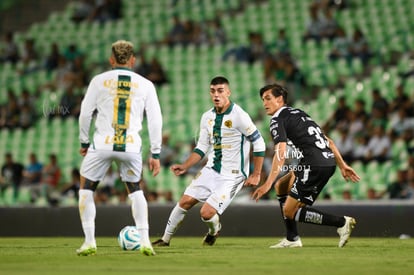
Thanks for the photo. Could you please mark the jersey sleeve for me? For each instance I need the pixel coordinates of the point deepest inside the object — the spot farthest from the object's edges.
(154, 119)
(249, 129)
(277, 130)
(88, 106)
(203, 143)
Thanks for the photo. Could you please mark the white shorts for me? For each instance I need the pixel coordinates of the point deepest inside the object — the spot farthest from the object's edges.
(215, 189)
(96, 163)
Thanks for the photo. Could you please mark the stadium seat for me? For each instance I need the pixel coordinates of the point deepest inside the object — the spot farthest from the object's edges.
(24, 197)
(4, 137)
(8, 197)
(387, 26)
(336, 186)
(357, 66)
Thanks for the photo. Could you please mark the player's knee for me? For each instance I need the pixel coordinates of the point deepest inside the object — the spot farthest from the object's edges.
(207, 212)
(289, 213)
(186, 202)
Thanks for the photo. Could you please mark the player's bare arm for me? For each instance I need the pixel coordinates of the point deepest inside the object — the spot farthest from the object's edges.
(83, 151)
(254, 178)
(347, 172)
(180, 169)
(277, 163)
(154, 166)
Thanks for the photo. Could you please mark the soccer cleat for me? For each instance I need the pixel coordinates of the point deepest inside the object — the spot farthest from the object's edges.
(211, 239)
(86, 250)
(345, 231)
(160, 243)
(147, 250)
(285, 243)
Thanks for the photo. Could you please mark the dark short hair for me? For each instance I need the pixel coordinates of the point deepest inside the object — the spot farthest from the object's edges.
(219, 80)
(277, 90)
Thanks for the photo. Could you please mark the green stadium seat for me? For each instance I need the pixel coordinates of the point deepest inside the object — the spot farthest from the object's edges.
(331, 76)
(8, 197)
(24, 197)
(151, 182)
(387, 26)
(335, 186)
(404, 64)
(360, 190)
(4, 137)
(357, 66)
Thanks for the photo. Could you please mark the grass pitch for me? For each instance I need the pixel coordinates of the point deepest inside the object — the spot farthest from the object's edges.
(230, 255)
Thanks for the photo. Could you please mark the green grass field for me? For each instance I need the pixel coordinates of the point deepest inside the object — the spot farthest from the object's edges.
(230, 255)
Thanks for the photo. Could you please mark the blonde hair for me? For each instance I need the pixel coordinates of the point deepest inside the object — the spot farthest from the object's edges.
(122, 51)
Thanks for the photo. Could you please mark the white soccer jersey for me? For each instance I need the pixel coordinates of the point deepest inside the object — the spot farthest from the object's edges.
(227, 138)
(120, 97)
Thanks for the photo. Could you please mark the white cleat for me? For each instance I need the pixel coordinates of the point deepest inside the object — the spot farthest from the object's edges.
(345, 231)
(285, 243)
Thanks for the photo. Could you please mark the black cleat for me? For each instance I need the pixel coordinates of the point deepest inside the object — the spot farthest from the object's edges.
(211, 239)
(160, 242)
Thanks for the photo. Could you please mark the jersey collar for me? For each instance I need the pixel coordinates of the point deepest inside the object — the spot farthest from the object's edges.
(227, 111)
(279, 111)
(122, 68)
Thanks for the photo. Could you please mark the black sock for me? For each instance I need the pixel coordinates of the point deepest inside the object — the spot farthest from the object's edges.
(310, 215)
(290, 225)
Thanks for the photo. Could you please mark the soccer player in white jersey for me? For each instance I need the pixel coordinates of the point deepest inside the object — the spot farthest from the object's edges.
(119, 98)
(226, 135)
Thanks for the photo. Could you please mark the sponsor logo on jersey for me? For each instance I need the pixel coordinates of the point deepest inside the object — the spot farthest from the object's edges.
(114, 84)
(309, 198)
(119, 139)
(293, 189)
(251, 129)
(216, 139)
(222, 146)
(306, 118)
(328, 155)
(273, 126)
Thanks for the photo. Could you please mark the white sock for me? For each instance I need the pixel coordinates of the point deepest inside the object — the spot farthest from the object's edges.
(213, 224)
(139, 209)
(174, 221)
(87, 212)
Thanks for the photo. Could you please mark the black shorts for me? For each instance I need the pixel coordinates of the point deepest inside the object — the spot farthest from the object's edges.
(309, 182)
